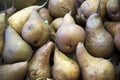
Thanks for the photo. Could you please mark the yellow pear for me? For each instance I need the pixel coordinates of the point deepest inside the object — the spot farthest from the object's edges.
(35, 31)
(18, 19)
(16, 49)
(64, 68)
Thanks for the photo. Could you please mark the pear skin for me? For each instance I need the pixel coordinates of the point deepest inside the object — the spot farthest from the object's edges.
(94, 68)
(39, 65)
(14, 71)
(113, 10)
(88, 7)
(58, 8)
(18, 19)
(35, 31)
(54, 26)
(69, 34)
(2, 31)
(117, 41)
(98, 42)
(16, 49)
(64, 68)
(114, 29)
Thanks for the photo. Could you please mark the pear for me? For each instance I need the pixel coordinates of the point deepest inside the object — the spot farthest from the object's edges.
(18, 19)
(54, 26)
(98, 42)
(16, 49)
(88, 7)
(45, 14)
(14, 71)
(94, 68)
(113, 9)
(117, 41)
(39, 66)
(35, 31)
(114, 29)
(2, 31)
(69, 34)
(64, 68)
(58, 8)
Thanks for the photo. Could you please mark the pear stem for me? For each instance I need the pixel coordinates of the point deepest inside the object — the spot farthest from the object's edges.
(99, 1)
(41, 6)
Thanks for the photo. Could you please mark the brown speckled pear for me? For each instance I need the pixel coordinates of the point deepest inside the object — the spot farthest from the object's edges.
(39, 65)
(94, 68)
(64, 68)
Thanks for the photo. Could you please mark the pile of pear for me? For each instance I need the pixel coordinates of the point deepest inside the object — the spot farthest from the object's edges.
(61, 40)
